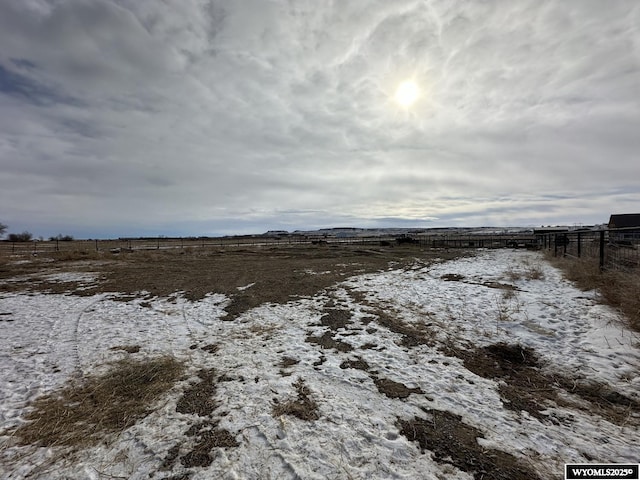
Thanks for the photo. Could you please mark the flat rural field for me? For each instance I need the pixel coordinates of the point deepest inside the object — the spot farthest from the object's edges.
(309, 362)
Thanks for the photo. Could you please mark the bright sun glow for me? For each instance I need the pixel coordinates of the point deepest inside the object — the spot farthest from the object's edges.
(407, 93)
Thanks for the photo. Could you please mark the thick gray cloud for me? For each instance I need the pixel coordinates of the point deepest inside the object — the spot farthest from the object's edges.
(124, 117)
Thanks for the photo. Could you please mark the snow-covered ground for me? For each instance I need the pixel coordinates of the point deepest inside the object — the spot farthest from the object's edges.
(48, 338)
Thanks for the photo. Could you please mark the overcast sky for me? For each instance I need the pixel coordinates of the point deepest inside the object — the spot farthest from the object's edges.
(195, 117)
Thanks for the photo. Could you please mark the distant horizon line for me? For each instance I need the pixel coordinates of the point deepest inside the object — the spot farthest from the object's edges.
(318, 231)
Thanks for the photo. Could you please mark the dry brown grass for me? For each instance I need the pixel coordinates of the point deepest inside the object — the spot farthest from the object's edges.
(303, 407)
(84, 412)
(622, 290)
(530, 272)
(534, 272)
(277, 274)
(74, 255)
(617, 288)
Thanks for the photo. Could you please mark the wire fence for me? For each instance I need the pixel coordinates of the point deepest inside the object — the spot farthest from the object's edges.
(613, 249)
(43, 247)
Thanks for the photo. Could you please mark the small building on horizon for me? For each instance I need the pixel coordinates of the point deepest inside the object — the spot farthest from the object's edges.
(624, 227)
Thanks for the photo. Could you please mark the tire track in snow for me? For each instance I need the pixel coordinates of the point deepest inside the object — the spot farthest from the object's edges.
(74, 335)
(186, 323)
(196, 327)
(63, 335)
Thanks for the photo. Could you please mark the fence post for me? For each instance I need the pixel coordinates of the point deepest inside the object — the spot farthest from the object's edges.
(555, 245)
(579, 244)
(35, 247)
(602, 250)
(96, 244)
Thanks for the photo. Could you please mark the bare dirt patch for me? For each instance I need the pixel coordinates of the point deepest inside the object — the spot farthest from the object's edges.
(170, 458)
(357, 364)
(285, 363)
(524, 386)
(412, 335)
(127, 348)
(320, 361)
(394, 389)
(208, 436)
(211, 348)
(199, 399)
(453, 442)
(327, 341)
(335, 318)
(601, 400)
(288, 362)
(452, 277)
(500, 285)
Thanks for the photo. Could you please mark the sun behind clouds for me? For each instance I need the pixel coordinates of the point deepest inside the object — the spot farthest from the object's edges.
(407, 93)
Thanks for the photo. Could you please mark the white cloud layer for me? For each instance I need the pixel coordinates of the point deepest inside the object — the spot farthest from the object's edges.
(126, 117)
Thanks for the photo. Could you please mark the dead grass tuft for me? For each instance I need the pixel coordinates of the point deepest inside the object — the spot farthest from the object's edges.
(534, 272)
(617, 288)
(264, 330)
(513, 275)
(84, 412)
(303, 407)
(530, 272)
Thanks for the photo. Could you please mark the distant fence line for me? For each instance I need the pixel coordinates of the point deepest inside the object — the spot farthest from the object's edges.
(165, 243)
(613, 249)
